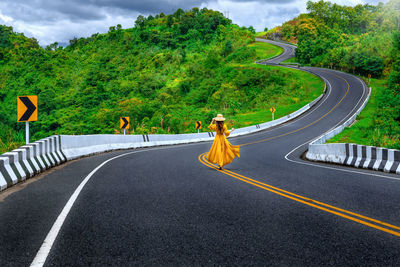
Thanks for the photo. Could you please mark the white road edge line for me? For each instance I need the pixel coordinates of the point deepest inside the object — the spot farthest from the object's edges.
(44, 250)
(333, 168)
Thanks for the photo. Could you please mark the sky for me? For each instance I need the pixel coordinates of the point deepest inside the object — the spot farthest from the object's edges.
(59, 21)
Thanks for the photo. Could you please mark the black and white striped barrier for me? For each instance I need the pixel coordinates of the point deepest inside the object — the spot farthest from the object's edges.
(373, 158)
(359, 156)
(28, 160)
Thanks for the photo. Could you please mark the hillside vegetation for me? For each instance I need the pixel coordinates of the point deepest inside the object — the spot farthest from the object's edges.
(355, 39)
(364, 40)
(165, 73)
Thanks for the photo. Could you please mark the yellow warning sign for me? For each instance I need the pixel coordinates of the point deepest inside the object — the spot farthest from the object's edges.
(27, 108)
(198, 125)
(272, 109)
(124, 122)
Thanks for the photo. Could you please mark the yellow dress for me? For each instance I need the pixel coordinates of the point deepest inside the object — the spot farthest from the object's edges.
(222, 152)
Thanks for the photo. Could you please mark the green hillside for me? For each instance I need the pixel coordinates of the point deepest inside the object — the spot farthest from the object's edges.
(354, 39)
(364, 40)
(165, 73)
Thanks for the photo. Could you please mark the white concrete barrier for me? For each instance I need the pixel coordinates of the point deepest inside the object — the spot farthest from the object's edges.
(28, 160)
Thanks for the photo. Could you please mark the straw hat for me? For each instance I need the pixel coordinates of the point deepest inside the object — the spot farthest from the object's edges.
(219, 117)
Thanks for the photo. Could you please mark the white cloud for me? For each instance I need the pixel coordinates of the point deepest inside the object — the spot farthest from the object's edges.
(5, 19)
(63, 30)
(258, 14)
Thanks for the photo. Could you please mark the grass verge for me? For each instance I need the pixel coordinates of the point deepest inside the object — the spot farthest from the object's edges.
(312, 87)
(371, 128)
(260, 34)
(266, 50)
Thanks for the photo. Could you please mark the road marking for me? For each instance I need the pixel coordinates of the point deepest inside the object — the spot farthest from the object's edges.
(308, 125)
(319, 165)
(44, 250)
(373, 223)
(337, 168)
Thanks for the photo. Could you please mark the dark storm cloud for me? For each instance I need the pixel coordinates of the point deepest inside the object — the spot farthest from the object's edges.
(50, 10)
(86, 10)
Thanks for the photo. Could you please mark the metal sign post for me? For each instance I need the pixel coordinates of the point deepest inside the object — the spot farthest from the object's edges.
(27, 132)
(272, 111)
(198, 126)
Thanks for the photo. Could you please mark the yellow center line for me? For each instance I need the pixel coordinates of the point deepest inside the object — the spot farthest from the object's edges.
(304, 200)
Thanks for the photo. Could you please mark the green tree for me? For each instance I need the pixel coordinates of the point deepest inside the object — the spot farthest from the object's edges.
(140, 21)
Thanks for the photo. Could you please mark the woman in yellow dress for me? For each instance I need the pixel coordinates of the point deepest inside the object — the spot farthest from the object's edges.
(221, 152)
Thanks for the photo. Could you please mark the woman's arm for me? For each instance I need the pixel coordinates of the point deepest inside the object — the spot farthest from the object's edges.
(226, 132)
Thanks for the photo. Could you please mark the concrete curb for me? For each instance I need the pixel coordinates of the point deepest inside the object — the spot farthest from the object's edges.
(359, 156)
(26, 161)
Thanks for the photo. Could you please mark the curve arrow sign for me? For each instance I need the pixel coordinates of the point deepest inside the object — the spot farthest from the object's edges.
(124, 122)
(198, 125)
(27, 108)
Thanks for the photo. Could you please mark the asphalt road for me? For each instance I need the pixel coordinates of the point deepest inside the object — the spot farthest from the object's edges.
(165, 206)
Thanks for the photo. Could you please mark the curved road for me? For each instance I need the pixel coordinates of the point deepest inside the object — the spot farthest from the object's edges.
(167, 206)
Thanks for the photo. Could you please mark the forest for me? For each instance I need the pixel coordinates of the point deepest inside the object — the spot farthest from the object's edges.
(165, 73)
(363, 40)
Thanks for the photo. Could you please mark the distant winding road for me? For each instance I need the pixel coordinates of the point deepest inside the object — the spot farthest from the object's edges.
(168, 206)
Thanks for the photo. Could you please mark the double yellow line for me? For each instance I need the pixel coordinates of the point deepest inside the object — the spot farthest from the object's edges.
(380, 225)
(373, 223)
